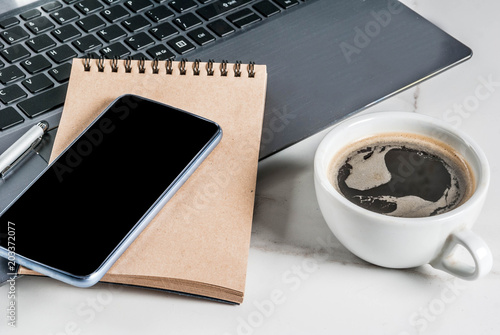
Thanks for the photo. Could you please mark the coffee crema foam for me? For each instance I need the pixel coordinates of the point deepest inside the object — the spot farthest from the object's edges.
(402, 174)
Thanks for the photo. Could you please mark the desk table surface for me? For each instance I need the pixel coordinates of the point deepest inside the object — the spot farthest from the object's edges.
(300, 279)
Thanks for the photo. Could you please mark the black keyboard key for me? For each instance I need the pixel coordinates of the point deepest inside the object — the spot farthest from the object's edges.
(9, 117)
(89, 6)
(115, 13)
(159, 14)
(44, 102)
(110, 2)
(8, 22)
(10, 74)
(139, 41)
(11, 93)
(115, 50)
(111, 33)
(86, 43)
(62, 53)
(2, 64)
(239, 15)
(182, 5)
(220, 27)
(163, 31)
(61, 73)
(136, 23)
(266, 8)
(40, 43)
(181, 45)
(32, 13)
(14, 34)
(39, 25)
(69, 2)
(64, 15)
(187, 21)
(91, 23)
(160, 52)
(201, 36)
(218, 8)
(35, 64)
(66, 33)
(246, 21)
(37, 83)
(51, 6)
(138, 56)
(15, 53)
(93, 55)
(285, 4)
(137, 6)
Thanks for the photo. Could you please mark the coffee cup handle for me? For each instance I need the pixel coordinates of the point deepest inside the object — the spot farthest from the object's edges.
(478, 249)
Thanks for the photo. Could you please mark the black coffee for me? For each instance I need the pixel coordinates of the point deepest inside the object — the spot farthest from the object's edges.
(402, 174)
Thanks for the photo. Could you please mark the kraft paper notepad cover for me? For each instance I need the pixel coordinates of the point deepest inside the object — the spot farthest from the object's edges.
(199, 242)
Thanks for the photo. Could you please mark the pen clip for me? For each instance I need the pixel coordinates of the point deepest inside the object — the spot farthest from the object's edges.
(22, 147)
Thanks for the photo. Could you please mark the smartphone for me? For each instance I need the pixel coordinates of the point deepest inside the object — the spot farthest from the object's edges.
(81, 213)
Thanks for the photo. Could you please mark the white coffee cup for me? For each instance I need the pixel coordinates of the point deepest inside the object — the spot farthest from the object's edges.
(398, 242)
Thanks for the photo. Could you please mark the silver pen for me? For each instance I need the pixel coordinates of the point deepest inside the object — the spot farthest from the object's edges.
(22, 147)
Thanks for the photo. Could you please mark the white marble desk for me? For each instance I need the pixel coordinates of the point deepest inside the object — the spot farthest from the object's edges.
(300, 279)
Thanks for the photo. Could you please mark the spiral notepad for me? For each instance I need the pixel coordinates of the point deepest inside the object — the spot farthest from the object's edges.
(198, 244)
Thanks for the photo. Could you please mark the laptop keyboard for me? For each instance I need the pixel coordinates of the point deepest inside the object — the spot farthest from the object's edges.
(37, 46)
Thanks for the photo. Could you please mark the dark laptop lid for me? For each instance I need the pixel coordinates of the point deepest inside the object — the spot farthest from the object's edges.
(333, 58)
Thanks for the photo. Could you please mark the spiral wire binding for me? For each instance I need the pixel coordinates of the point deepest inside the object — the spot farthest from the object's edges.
(182, 66)
(223, 68)
(142, 65)
(237, 68)
(168, 65)
(114, 64)
(86, 63)
(251, 69)
(210, 67)
(100, 62)
(196, 67)
(154, 66)
(128, 64)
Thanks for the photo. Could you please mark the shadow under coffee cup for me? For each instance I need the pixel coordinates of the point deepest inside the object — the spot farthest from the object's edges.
(404, 242)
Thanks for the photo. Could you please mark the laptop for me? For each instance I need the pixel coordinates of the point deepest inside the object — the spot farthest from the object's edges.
(326, 59)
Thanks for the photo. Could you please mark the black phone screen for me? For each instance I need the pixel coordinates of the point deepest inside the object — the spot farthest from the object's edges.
(88, 200)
